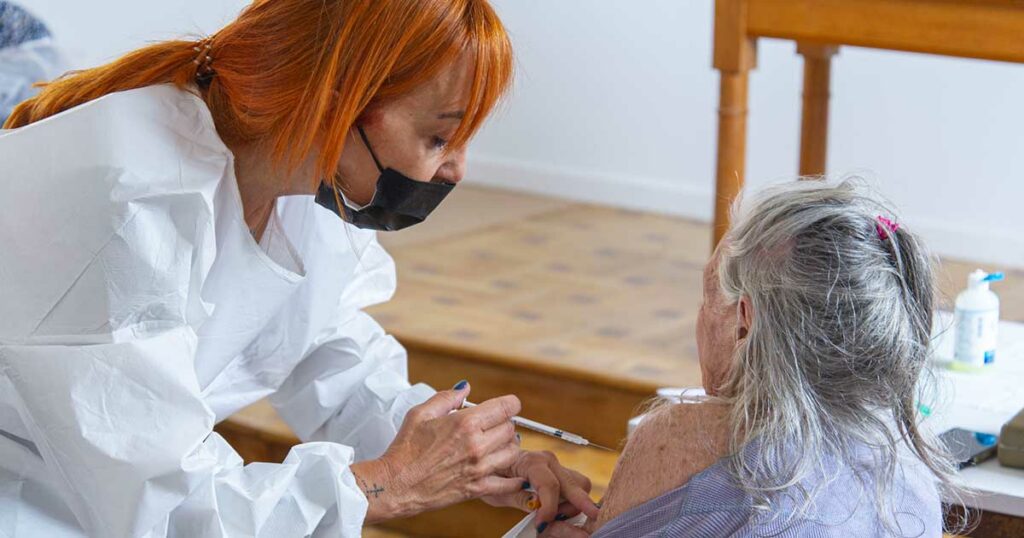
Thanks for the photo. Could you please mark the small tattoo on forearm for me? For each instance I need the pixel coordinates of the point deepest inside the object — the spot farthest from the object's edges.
(375, 490)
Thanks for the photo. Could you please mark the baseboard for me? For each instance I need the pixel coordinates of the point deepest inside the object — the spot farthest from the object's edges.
(657, 195)
(963, 242)
(678, 198)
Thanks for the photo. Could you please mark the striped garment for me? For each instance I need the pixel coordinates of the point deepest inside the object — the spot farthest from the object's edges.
(712, 505)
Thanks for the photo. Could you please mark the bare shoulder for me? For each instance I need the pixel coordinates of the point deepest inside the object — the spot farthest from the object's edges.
(671, 445)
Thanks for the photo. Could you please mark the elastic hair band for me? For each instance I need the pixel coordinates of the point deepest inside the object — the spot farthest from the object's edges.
(885, 227)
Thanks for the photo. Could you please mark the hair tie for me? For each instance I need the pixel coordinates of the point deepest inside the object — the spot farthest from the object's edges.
(885, 227)
(203, 61)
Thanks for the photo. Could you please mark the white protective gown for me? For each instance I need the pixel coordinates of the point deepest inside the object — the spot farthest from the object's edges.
(136, 311)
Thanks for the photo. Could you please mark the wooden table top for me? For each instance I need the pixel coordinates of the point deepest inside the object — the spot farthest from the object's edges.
(985, 29)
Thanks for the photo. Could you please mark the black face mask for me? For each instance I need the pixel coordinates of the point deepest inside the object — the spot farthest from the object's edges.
(398, 202)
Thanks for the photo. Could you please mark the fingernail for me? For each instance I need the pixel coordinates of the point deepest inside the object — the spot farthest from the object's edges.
(541, 527)
(526, 485)
(532, 504)
(561, 517)
(519, 438)
(460, 385)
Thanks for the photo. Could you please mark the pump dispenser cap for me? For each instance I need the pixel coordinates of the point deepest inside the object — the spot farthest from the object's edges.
(980, 279)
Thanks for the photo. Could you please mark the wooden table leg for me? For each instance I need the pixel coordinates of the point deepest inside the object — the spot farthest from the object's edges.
(814, 123)
(732, 146)
(735, 56)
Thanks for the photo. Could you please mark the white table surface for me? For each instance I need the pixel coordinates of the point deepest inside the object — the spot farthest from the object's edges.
(983, 402)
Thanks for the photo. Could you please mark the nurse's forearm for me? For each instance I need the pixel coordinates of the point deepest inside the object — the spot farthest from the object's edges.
(375, 479)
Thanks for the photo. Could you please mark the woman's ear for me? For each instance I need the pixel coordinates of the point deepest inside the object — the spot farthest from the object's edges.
(744, 317)
(370, 115)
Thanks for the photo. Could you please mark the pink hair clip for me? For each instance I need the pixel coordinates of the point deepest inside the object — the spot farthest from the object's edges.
(885, 227)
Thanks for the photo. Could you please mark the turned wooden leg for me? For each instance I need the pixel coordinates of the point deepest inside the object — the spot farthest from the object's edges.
(732, 146)
(735, 55)
(814, 123)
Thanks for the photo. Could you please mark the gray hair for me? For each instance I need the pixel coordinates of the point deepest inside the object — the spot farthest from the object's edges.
(837, 352)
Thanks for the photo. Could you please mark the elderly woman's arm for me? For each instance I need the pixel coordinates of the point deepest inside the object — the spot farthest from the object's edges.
(672, 444)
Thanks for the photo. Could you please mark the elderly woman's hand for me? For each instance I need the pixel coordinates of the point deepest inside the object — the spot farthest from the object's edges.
(557, 491)
(561, 529)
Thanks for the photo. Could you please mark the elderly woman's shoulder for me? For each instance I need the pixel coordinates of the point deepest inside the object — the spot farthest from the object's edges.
(703, 413)
(672, 444)
(699, 430)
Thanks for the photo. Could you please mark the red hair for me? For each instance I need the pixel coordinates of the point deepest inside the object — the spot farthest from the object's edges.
(298, 73)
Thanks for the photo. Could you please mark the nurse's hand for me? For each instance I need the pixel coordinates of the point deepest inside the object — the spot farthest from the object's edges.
(441, 458)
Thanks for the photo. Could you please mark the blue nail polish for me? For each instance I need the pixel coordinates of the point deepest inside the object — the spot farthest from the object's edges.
(460, 385)
(526, 485)
(541, 527)
(561, 517)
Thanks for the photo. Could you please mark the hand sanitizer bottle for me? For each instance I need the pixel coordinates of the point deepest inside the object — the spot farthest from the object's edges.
(977, 320)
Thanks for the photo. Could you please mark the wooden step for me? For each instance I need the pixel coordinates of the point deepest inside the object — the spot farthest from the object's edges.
(259, 434)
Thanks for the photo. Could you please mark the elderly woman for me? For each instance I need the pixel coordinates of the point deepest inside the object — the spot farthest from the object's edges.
(813, 336)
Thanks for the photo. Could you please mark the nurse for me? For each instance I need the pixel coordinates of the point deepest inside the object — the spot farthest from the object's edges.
(191, 228)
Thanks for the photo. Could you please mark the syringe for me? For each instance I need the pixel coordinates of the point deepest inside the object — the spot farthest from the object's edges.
(548, 430)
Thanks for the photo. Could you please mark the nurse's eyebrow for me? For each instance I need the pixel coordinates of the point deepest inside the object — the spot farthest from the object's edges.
(454, 115)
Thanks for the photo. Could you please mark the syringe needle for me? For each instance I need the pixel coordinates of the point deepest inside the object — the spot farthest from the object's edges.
(548, 430)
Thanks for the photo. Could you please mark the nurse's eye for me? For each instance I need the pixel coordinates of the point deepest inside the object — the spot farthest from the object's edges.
(438, 143)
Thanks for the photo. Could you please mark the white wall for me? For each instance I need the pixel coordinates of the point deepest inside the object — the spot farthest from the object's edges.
(615, 102)
(98, 31)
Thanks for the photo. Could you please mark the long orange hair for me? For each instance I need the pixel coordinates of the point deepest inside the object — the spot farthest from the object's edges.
(299, 73)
